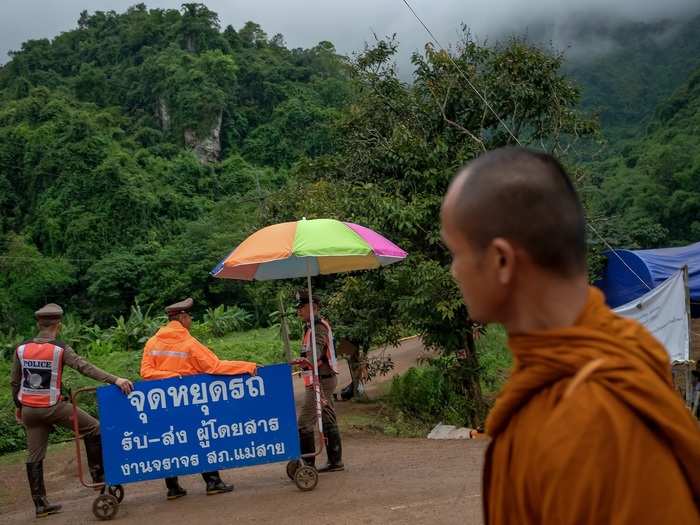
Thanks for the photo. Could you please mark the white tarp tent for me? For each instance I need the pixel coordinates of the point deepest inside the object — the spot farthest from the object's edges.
(664, 312)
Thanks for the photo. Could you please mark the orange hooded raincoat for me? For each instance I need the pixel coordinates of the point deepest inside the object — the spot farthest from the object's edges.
(174, 352)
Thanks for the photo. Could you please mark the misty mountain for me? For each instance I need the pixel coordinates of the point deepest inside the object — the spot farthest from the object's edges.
(626, 70)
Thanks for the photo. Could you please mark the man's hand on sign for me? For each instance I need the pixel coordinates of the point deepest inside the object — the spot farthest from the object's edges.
(125, 385)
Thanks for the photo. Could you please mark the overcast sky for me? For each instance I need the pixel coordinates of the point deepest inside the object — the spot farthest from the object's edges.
(347, 23)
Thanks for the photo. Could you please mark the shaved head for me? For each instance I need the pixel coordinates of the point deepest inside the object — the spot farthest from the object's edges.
(527, 198)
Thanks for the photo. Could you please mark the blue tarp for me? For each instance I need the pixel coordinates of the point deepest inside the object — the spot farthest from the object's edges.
(620, 285)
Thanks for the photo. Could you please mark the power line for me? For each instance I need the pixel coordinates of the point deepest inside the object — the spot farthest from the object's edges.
(435, 40)
(461, 72)
(505, 126)
(607, 244)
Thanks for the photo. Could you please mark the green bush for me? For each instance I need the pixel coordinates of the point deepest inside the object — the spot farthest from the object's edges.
(75, 333)
(11, 434)
(431, 393)
(132, 333)
(8, 342)
(100, 348)
(223, 320)
(495, 360)
(13, 437)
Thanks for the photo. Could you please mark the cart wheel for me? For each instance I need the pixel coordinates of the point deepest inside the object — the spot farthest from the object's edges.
(292, 468)
(115, 490)
(306, 478)
(105, 507)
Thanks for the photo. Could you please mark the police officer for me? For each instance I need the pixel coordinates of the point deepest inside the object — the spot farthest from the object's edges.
(173, 352)
(327, 372)
(36, 389)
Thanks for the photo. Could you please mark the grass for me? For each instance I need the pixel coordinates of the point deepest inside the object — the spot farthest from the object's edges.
(262, 346)
(379, 417)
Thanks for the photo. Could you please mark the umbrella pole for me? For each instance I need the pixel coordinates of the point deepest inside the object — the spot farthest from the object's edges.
(317, 381)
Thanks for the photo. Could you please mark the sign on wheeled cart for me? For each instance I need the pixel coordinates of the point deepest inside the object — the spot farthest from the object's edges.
(195, 424)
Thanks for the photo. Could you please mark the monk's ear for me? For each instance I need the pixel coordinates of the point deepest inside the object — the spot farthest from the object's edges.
(505, 260)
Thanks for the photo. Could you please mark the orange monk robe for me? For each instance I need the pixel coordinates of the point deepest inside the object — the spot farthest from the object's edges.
(588, 430)
(174, 352)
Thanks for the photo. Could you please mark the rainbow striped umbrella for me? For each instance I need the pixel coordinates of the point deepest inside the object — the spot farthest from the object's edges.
(303, 249)
(306, 248)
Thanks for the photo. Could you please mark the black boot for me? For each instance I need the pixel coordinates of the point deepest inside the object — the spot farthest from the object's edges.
(93, 451)
(334, 450)
(307, 443)
(215, 485)
(175, 491)
(35, 475)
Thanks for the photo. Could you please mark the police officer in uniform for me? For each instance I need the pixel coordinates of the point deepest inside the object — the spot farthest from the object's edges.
(36, 390)
(173, 352)
(327, 372)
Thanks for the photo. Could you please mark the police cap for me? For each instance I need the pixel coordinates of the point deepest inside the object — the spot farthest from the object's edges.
(49, 311)
(182, 306)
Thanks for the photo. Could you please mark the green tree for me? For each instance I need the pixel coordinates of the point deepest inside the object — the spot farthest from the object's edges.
(199, 27)
(28, 280)
(400, 146)
(648, 195)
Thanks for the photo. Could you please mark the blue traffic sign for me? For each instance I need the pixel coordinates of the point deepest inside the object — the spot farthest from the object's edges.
(201, 423)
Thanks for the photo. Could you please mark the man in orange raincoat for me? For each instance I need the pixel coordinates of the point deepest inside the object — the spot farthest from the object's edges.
(588, 429)
(173, 352)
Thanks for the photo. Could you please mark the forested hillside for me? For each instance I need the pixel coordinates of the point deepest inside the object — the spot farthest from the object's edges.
(138, 148)
(642, 64)
(648, 195)
(642, 181)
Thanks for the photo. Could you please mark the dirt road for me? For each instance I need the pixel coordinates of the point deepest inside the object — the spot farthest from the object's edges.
(388, 480)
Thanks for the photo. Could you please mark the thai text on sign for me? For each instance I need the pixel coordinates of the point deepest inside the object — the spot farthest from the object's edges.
(199, 423)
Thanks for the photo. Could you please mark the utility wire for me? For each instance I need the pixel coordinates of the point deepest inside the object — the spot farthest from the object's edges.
(461, 72)
(505, 126)
(607, 244)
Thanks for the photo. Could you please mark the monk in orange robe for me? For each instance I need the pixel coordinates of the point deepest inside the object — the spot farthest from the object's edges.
(588, 429)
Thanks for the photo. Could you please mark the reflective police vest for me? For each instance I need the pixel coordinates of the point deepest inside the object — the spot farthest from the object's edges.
(307, 375)
(42, 366)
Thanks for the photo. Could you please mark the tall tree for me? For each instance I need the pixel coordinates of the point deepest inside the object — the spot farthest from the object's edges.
(400, 146)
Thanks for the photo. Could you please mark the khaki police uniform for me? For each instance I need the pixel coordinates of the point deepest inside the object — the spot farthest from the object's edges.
(36, 375)
(38, 421)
